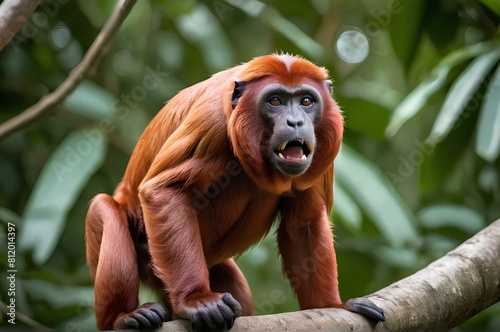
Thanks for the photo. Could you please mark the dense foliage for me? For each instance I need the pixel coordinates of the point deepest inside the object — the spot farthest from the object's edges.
(418, 82)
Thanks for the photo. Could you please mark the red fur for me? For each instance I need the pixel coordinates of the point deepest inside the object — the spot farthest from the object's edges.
(199, 185)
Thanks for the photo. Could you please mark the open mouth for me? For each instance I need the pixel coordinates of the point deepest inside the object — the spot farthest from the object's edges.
(294, 150)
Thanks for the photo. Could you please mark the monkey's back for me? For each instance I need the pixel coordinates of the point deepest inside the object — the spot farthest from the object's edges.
(172, 125)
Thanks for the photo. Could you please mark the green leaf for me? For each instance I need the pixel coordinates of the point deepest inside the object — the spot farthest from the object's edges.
(365, 117)
(176, 7)
(441, 35)
(90, 101)
(347, 209)
(60, 182)
(461, 93)
(450, 215)
(8, 216)
(293, 33)
(417, 99)
(443, 158)
(211, 40)
(494, 5)
(382, 95)
(437, 245)
(59, 296)
(400, 257)
(488, 133)
(288, 29)
(366, 184)
(405, 29)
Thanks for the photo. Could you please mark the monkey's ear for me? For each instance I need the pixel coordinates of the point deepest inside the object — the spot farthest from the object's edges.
(239, 87)
(329, 86)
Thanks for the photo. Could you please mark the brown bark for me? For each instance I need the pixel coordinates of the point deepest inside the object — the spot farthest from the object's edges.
(13, 14)
(448, 291)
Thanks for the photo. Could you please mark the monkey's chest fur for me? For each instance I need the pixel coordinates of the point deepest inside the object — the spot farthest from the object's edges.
(236, 215)
(233, 214)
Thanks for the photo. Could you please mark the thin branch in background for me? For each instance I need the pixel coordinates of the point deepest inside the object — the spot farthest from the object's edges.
(13, 14)
(87, 68)
(29, 322)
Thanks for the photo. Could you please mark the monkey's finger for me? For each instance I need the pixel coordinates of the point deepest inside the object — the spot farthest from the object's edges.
(366, 308)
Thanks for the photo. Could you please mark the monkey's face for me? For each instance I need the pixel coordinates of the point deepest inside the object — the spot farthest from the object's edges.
(290, 114)
(284, 127)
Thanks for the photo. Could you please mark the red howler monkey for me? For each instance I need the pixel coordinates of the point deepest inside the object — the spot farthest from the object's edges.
(207, 179)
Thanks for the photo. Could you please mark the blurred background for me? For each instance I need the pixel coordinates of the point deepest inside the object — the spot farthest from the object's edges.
(418, 82)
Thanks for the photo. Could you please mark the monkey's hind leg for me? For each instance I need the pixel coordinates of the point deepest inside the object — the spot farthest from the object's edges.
(112, 259)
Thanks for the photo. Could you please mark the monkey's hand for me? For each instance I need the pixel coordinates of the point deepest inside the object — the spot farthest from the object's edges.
(148, 316)
(209, 311)
(366, 308)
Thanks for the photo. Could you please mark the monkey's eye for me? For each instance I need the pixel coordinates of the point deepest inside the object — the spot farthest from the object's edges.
(306, 101)
(274, 101)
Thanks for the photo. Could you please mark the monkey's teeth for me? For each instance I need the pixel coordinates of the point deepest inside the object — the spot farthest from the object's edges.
(304, 157)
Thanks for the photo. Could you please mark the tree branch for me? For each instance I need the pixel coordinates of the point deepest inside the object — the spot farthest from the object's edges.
(13, 14)
(448, 291)
(85, 69)
(437, 298)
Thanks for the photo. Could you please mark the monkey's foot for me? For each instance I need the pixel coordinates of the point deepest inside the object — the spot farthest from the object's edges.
(148, 316)
(212, 313)
(366, 308)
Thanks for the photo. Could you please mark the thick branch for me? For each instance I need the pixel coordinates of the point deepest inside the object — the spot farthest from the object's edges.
(448, 291)
(85, 69)
(443, 295)
(13, 14)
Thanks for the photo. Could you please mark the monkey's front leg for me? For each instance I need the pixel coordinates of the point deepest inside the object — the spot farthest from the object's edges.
(177, 254)
(306, 245)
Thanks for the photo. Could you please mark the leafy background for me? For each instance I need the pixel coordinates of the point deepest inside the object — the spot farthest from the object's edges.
(418, 81)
